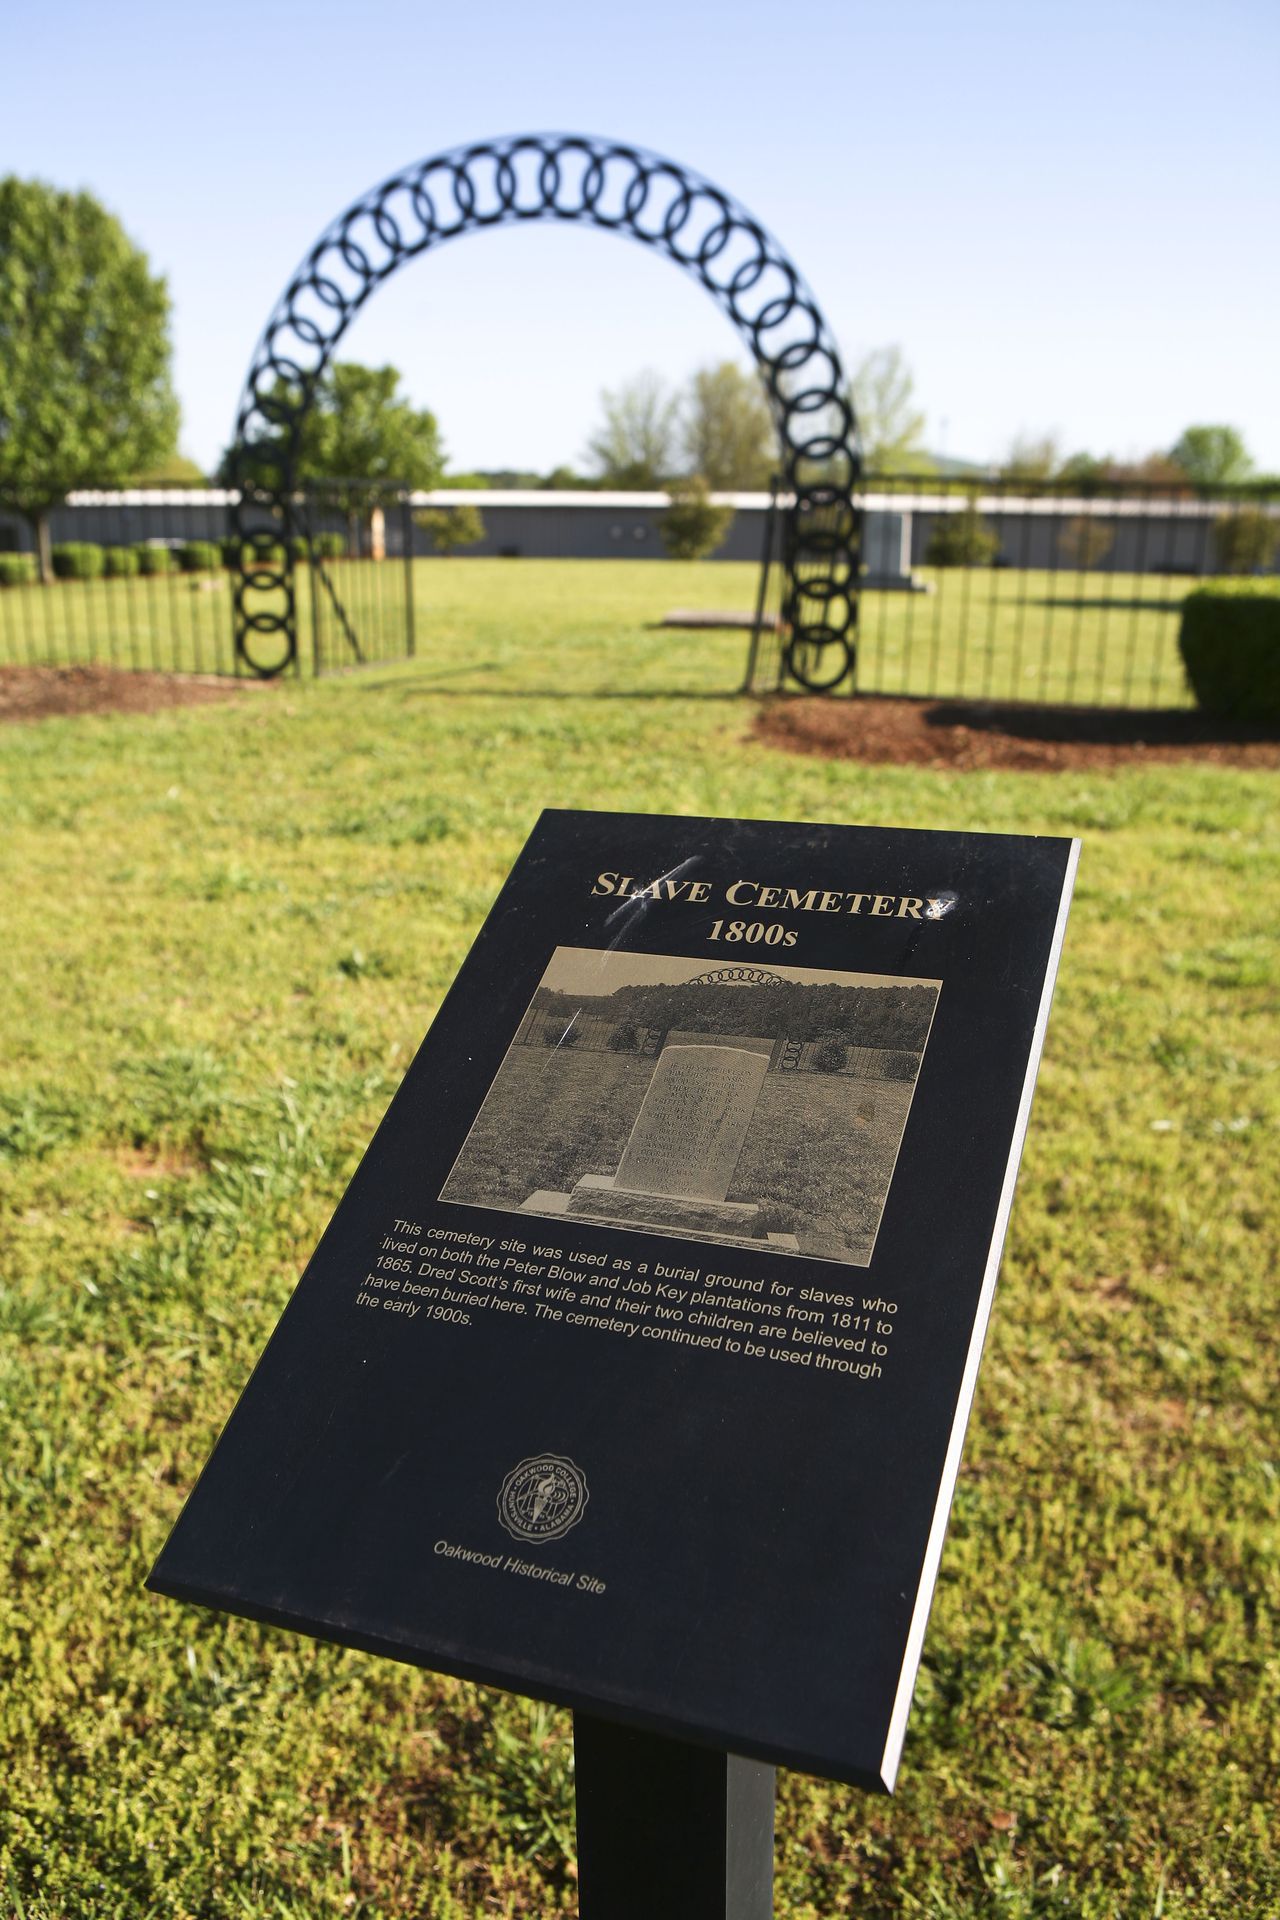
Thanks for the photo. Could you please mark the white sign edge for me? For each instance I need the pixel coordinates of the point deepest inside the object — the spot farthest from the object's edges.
(951, 1465)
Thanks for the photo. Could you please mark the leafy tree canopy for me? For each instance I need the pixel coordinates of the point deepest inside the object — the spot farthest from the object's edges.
(1087, 471)
(636, 443)
(864, 1016)
(1033, 456)
(693, 525)
(890, 425)
(86, 397)
(452, 527)
(728, 431)
(1212, 456)
(360, 428)
(567, 480)
(176, 471)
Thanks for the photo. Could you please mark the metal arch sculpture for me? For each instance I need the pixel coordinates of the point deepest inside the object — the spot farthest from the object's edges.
(620, 189)
(738, 977)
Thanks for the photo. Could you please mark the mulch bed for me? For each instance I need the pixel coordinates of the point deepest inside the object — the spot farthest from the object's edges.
(1033, 739)
(39, 693)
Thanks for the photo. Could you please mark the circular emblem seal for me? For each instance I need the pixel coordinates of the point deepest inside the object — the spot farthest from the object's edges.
(543, 1497)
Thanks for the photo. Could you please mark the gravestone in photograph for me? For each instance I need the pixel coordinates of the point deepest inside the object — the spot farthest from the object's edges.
(683, 1151)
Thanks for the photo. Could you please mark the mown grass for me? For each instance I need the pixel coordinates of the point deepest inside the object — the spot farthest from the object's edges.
(1101, 638)
(226, 929)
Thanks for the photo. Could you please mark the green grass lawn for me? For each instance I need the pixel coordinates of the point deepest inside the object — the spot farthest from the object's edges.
(1091, 638)
(225, 931)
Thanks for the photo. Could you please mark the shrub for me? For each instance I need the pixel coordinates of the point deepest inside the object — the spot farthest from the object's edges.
(692, 526)
(451, 527)
(17, 569)
(272, 556)
(322, 546)
(77, 560)
(625, 1037)
(1085, 542)
(1244, 542)
(200, 556)
(154, 559)
(1230, 644)
(830, 1055)
(962, 540)
(119, 562)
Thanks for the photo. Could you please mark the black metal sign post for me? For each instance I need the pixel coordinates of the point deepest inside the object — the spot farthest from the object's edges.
(665, 1828)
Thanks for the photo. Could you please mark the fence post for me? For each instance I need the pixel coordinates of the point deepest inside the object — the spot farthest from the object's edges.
(406, 541)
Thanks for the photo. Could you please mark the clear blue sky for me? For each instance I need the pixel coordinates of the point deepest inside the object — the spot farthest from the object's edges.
(1066, 216)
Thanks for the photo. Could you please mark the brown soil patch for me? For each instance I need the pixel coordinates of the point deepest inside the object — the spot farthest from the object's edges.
(1034, 739)
(39, 693)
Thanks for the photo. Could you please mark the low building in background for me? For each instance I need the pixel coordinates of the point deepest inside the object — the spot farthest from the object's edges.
(1119, 532)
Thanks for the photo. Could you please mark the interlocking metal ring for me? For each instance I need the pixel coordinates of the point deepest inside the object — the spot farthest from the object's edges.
(622, 189)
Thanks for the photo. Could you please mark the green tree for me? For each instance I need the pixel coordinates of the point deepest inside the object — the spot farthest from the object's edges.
(1213, 456)
(962, 539)
(728, 431)
(86, 397)
(635, 444)
(361, 434)
(567, 480)
(1245, 541)
(1085, 541)
(176, 471)
(1032, 456)
(890, 425)
(693, 525)
(452, 527)
(1086, 472)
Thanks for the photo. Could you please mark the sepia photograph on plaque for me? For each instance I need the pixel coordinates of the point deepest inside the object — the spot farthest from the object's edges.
(754, 1105)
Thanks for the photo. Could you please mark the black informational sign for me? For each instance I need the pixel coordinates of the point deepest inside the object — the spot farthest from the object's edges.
(632, 1370)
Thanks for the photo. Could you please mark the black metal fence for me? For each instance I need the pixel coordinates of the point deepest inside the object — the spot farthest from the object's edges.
(1006, 589)
(972, 589)
(145, 580)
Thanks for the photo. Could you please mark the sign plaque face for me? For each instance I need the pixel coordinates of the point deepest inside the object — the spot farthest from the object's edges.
(633, 1368)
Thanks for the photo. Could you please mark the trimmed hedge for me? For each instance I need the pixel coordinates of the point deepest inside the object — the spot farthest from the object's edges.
(17, 569)
(77, 560)
(255, 556)
(1246, 540)
(962, 540)
(118, 563)
(327, 546)
(272, 556)
(200, 556)
(1230, 644)
(154, 559)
